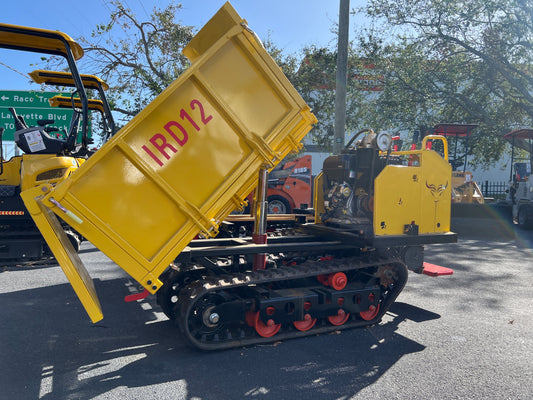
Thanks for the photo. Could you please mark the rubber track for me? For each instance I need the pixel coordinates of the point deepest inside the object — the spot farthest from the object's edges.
(197, 290)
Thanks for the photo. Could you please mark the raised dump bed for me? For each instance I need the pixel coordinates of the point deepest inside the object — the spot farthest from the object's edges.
(182, 164)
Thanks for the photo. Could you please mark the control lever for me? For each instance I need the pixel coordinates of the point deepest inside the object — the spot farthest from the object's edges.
(19, 120)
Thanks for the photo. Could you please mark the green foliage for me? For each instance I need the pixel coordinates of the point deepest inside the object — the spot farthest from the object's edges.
(452, 61)
(138, 59)
(312, 73)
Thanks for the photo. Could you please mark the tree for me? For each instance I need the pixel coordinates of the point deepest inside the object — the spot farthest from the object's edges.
(312, 73)
(138, 59)
(452, 61)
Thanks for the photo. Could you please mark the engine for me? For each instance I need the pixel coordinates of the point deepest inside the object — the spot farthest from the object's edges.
(348, 182)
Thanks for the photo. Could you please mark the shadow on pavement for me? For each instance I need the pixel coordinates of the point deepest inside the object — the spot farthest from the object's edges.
(54, 352)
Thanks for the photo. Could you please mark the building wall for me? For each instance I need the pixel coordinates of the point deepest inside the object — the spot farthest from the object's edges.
(499, 172)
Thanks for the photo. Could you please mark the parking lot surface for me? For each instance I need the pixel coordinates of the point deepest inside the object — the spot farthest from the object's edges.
(465, 336)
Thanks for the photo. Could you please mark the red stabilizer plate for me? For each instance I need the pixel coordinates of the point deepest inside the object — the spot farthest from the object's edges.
(436, 270)
(137, 296)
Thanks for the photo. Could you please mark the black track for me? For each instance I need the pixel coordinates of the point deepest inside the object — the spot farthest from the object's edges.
(213, 289)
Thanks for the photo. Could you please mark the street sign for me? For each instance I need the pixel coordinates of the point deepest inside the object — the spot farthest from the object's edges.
(33, 106)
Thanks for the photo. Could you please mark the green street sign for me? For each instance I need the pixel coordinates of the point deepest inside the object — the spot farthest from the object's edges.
(32, 106)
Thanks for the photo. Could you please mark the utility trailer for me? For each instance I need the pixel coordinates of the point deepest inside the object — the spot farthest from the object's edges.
(191, 157)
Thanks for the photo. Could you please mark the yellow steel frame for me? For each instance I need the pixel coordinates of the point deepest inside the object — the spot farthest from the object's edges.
(38, 40)
(11, 168)
(66, 102)
(35, 165)
(65, 254)
(419, 194)
(65, 79)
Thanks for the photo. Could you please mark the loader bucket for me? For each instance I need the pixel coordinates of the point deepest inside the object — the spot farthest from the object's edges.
(182, 164)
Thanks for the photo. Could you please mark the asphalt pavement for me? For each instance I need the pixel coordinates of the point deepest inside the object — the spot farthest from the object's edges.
(465, 336)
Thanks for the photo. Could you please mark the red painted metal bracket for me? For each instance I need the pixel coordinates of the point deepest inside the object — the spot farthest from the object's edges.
(137, 296)
(436, 270)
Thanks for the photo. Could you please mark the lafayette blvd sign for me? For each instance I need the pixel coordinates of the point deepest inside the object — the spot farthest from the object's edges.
(33, 106)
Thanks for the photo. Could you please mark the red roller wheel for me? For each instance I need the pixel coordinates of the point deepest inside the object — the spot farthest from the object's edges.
(323, 279)
(338, 281)
(371, 313)
(305, 324)
(265, 330)
(340, 318)
(250, 318)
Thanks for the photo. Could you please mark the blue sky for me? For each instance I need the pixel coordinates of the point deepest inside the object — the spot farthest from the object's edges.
(291, 24)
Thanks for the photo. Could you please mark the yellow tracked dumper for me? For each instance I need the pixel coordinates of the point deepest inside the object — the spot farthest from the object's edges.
(190, 158)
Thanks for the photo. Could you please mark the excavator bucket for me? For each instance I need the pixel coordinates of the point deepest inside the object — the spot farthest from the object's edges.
(182, 165)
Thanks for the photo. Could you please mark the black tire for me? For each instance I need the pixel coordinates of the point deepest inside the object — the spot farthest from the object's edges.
(525, 217)
(278, 205)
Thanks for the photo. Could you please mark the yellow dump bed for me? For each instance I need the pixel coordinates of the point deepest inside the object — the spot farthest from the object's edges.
(182, 164)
